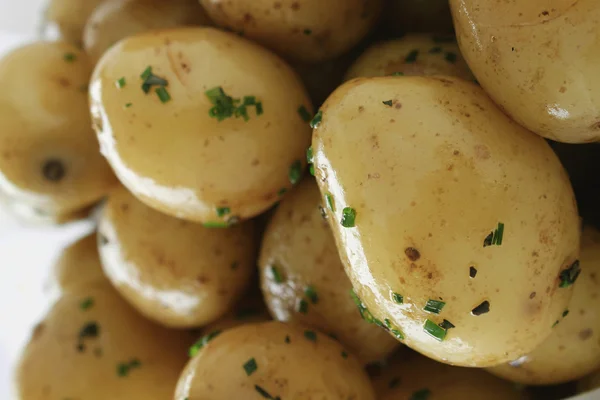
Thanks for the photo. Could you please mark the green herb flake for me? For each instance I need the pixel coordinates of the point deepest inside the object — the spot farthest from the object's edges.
(422, 394)
(434, 330)
(450, 57)
(86, 303)
(265, 394)
(311, 293)
(435, 50)
(434, 306)
(282, 191)
(316, 121)
(398, 298)
(223, 211)
(446, 324)
(89, 330)
(276, 274)
(70, 57)
(388, 103)
(128, 105)
(121, 83)
(344, 354)
(555, 323)
(302, 306)
(216, 225)
(124, 368)
(348, 217)
(250, 366)
(147, 72)
(295, 172)
(259, 109)
(565, 313)
(569, 276)
(307, 32)
(310, 335)
(304, 114)
(398, 74)
(163, 94)
(311, 170)
(196, 347)
(411, 57)
(225, 106)
(483, 308)
(394, 383)
(495, 238)
(287, 339)
(150, 80)
(330, 202)
(397, 333)
(309, 155)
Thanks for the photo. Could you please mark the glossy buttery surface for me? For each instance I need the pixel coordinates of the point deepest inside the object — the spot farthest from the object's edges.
(174, 156)
(299, 245)
(573, 349)
(49, 160)
(538, 60)
(289, 365)
(430, 177)
(175, 272)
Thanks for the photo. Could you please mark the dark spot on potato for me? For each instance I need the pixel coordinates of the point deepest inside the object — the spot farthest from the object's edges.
(53, 170)
(412, 253)
(202, 279)
(124, 207)
(295, 6)
(255, 162)
(562, 89)
(483, 308)
(64, 82)
(482, 152)
(585, 334)
(277, 5)
(361, 109)
(456, 152)
(472, 272)
(545, 13)
(398, 106)
(430, 276)
(38, 331)
(532, 295)
(103, 240)
(248, 18)
(373, 176)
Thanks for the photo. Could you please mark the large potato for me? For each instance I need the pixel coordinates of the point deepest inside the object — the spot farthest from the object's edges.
(175, 272)
(186, 148)
(573, 349)
(275, 361)
(114, 20)
(413, 54)
(412, 376)
(304, 30)
(49, 159)
(65, 19)
(457, 227)
(537, 60)
(303, 279)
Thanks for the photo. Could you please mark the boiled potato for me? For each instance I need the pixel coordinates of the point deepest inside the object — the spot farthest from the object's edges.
(303, 30)
(188, 148)
(414, 54)
(401, 16)
(49, 159)
(573, 349)
(457, 227)
(65, 19)
(275, 361)
(303, 279)
(412, 376)
(175, 272)
(117, 19)
(538, 60)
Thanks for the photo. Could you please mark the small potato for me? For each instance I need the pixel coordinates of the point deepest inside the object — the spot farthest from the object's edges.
(49, 159)
(190, 147)
(414, 54)
(114, 20)
(303, 30)
(401, 16)
(303, 279)
(573, 349)
(175, 272)
(92, 345)
(457, 227)
(65, 19)
(412, 376)
(538, 60)
(276, 361)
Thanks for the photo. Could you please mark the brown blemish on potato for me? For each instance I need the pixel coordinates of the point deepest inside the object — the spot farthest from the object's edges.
(124, 207)
(38, 331)
(202, 279)
(64, 82)
(482, 152)
(295, 6)
(586, 334)
(255, 162)
(532, 295)
(277, 5)
(397, 106)
(412, 253)
(361, 109)
(562, 89)
(374, 142)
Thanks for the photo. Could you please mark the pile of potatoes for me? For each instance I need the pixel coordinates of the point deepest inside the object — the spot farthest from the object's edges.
(409, 177)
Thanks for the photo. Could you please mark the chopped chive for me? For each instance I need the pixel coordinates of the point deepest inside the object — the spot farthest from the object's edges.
(310, 335)
(388, 102)
(250, 366)
(259, 108)
(398, 298)
(265, 394)
(295, 172)
(215, 225)
(488, 240)
(311, 293)
(412, 57)
(422, 394)
(287, 339)
(309, 155)
(276, 274)
(304, 114)
(223, 211)
(86, 303)
(249, 100)
(225, 106)
(397, 333)
(483, 308)
(330, 203)
(398, 74)
(446, 324)
(450, 57)
(89, 330)
(203, 341)
(307, 32)
(302, 306)
(472, 272)
(495, 237)
(434, 306)
(435, 50)
(311, 169)
(555, 323)
(348, 217)
(147, 72)
(388, 323)
(282, 191)
(70, 57)
(316, 121)
(344, 354)
(565, 313)
(435, 331)
(163, 94)
(121, 83)
(128, 105)
(569, 276)
(124, 368)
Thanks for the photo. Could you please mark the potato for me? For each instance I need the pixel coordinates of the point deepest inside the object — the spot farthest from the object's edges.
(65, 19)
(192, 154)
(175, 272)
(573, 349)
(49, 160)
(92, 345)
(412, 376)
(457, 227)
(401, 16)
(275, 361)
(303, 30)
(117, 19)
(537, 60)
(303, 279)
(413, 54)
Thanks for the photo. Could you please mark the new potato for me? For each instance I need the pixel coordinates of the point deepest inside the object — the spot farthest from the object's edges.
(423, 173)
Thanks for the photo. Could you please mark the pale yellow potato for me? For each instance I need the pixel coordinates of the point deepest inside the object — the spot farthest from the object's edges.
(432, 168)
(58, 363)
(292, 363)
(303, 279)
(49, 159)
(175, 272)
(65, 19)
(538, 60)
(410, 374)
(573, 349)
(114, 20)
(174, 156)
(413, 54)
(401, 16)
(303, 30)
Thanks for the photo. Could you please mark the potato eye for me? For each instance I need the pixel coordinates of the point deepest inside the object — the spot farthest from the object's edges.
(54, 170)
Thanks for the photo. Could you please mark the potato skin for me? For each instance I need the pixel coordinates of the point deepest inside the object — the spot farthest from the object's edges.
(537, 60)
(49, 161)
(572, 350)
(114, 20)
(289, 364)
(303, 30)
(65, 19)
(430, 177)
(174, 156)
(299, 245)
(177, 273)
(412, 54)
